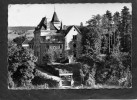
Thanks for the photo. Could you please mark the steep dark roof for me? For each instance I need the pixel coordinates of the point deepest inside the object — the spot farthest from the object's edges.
(69, 27)
(26, 41)
(77, 29)
(55, 18)
(61, 26)
(52, 27)
(42, 24)
(63, 32)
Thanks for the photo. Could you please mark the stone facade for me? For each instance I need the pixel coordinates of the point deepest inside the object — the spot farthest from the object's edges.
(50, 38)
(73, 43)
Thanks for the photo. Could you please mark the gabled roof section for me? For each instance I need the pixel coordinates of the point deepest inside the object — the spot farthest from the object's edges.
(77, 28)
(55, 18)
(42, 24)
(69, 28)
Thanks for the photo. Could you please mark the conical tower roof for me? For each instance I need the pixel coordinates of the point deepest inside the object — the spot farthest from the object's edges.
(61, 26)
(52, 27)
(55, 18)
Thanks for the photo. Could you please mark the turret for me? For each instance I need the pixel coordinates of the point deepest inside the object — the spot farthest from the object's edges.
(55, 23)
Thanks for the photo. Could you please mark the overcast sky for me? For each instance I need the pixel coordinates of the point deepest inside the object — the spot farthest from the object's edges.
(69, 14)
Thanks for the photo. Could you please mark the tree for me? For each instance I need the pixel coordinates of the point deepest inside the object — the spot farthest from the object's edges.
(19, 40)
(106, 34)
(117, 23)
(94, 35)
(84, 32)
(24, 74)
(126, 30)
(117, 19)
(21, 65)
(110, 32)
(46, 58)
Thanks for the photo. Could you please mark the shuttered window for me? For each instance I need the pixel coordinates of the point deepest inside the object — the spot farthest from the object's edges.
(61, 46)
(74, 37)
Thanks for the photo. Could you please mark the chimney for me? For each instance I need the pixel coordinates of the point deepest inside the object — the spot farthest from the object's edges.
(64, 27)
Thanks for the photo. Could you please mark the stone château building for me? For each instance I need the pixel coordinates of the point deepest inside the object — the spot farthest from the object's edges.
(59, 43)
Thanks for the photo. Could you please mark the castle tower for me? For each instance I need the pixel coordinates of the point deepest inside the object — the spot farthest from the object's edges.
(55, 23)
(37, 43)
(49, 39)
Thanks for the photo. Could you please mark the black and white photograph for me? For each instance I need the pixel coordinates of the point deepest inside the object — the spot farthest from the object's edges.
(69, 46)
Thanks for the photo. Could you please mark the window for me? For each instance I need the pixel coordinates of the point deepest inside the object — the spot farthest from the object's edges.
(74, 37)
(47, 46)
(74, 45)
(74, 54)
(60, 46)
(43, 37)
(60, 55)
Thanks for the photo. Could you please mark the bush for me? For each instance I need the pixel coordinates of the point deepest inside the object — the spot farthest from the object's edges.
(46, 58)
(39, 80)
(10, 81)
(23, 75)
(126, 80)
(19, 40)
(21, 65)
(50, 69)
(90, 81)
(114, 71)
(108, 69)
(87, 70)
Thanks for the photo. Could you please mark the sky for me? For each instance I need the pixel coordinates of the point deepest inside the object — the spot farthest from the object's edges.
(69, 14)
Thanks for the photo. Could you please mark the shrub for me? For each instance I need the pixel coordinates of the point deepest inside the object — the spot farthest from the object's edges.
(10, 81)
(40, 81)
(46, 58)
(49, 68)
(21, 65)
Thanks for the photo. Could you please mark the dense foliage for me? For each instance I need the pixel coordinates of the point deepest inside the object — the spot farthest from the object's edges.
(19, 40)
(107, 44)
(22, 69)
(21, 65)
